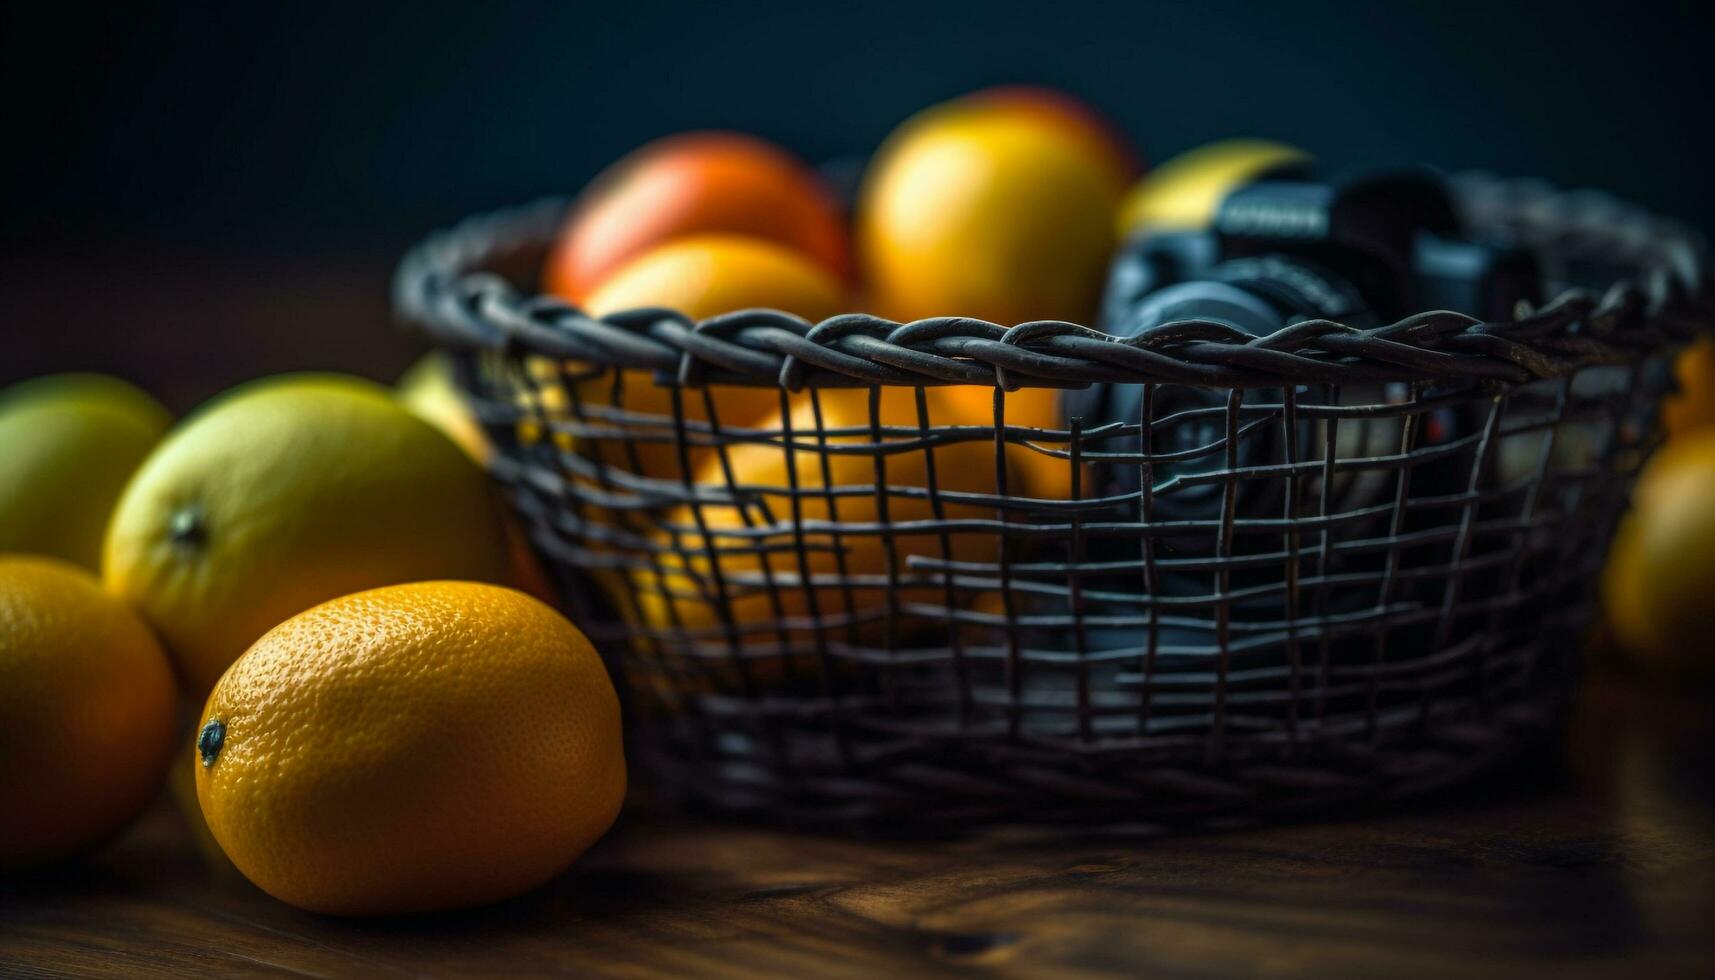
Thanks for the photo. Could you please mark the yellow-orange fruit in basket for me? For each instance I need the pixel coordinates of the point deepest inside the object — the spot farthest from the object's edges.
(693, 184)
(702, 275)
(699, 276)
(1040, 475)
(960, 467)
(86, 711)
(1076, 120)
(1183, 193)
(989, 207)
(1659, 585)
(416, 747)
(1693, 406)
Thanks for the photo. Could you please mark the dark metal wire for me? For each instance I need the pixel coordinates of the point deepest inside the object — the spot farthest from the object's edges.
(1381, 592)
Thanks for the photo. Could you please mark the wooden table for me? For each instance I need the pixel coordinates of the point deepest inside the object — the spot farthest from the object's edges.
(1603, 866)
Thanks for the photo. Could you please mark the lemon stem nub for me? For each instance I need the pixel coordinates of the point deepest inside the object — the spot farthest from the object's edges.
(186, 527)
(209, 741)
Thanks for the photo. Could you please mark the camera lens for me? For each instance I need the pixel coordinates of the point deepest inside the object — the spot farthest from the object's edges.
(1187, 424)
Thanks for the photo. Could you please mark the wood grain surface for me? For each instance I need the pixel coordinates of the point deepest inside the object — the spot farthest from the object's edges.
(1600, 866)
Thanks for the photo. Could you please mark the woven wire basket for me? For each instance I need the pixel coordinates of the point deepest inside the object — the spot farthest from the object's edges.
(1358, 566)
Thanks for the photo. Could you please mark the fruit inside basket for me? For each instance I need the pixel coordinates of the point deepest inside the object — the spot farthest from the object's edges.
(1311, 514)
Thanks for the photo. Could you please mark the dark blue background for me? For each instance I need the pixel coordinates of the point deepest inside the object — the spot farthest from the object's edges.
(177, 134)
(274, 121)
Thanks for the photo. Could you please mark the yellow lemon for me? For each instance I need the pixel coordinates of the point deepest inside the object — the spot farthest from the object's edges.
(70, 442)
(1184, 192)
(284, 493)
(1659, 584)
(86, 711)
(416, 747)
(428, 389)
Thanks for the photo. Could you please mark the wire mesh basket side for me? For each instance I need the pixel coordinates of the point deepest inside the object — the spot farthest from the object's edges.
(1301, 583)
(1323, 565)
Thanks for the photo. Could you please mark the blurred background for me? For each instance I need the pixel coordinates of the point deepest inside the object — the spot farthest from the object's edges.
(198, 193)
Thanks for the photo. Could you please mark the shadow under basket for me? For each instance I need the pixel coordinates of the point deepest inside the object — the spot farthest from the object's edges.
(1324, 566)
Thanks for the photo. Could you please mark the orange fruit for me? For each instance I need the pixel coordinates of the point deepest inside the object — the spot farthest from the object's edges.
(86, 711)
(285, 493)
(1076, 119)
(1659, 584)
(1043, 477)
(703, 275)
(699, 276)
(1693, 406)
(988, 208)
(692, 184)
(417, 747)
(681, 595)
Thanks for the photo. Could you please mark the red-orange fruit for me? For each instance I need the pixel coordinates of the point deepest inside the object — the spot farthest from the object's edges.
(695, 183)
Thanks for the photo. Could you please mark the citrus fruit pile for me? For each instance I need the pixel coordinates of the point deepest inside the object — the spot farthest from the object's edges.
(1000, 205)
(387, 715)
(383, 721)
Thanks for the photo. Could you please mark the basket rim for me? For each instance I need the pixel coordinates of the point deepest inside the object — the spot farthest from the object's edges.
(1664, 294)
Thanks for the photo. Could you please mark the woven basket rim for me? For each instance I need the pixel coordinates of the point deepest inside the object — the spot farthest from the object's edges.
(1663, 295)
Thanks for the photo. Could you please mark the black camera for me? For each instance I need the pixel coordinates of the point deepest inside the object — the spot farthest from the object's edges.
(1279, 251)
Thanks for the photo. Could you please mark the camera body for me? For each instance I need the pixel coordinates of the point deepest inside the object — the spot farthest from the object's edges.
(1391, 242)
(1280, 251)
